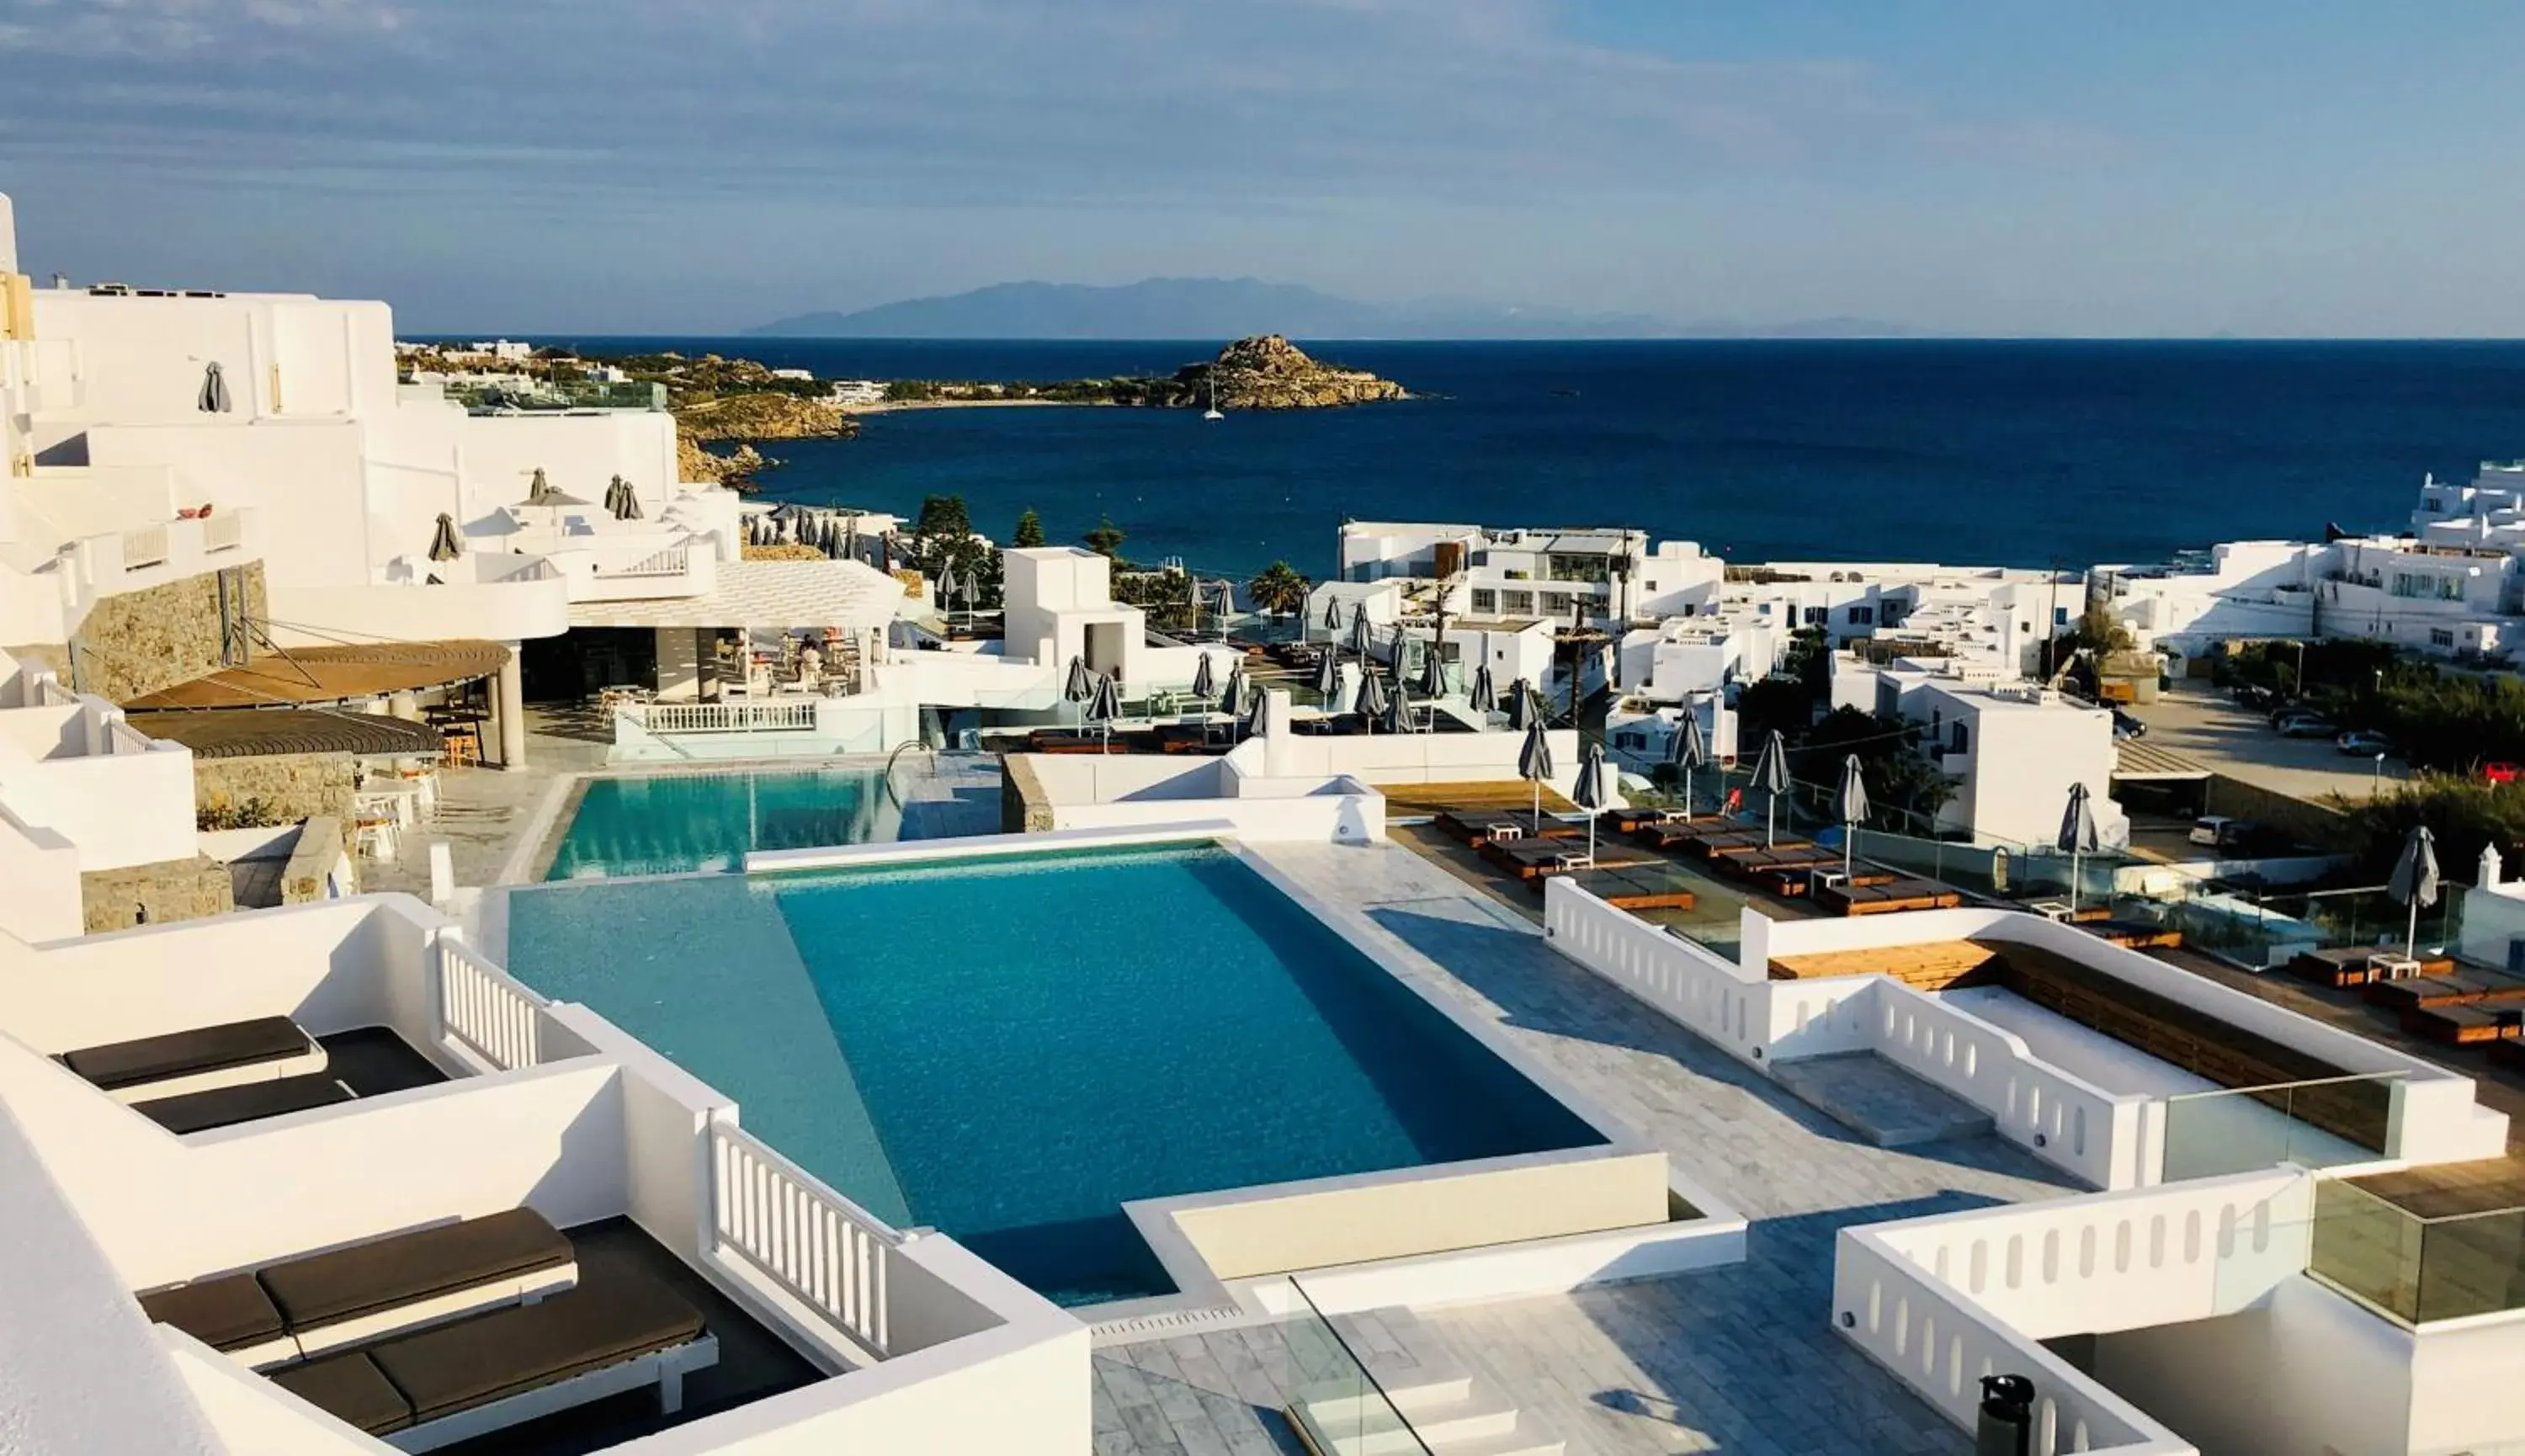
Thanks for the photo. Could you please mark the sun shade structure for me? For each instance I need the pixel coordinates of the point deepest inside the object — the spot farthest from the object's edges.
(2078, 834)
(1521, 706)
(1328, 675)
(1332, 615)
(1485, 696)
(1772, 775)
(1203, 687)
(2415, 881)
(1362, 638)
(213, 398)
(260, 732)
(622, 500)
(1688, 750)
(444, 542)
(1398, 709)
(309, 675)
(1854, 807)
(1372, 700)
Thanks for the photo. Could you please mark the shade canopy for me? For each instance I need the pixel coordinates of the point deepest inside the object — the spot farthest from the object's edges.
(1771, 770)
(1534, 758)
(444, 542)
(334, 675)
(1594, 788)
(2078, 823)
(213, 398)
(1688, 748)
(1854, 793)
(1485, 697)
(2415, 874)
(542, 493)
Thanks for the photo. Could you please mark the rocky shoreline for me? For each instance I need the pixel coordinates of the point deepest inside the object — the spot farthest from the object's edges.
(1267, 372)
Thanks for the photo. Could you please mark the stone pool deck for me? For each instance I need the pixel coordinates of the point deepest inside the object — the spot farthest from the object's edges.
(1740, 1360)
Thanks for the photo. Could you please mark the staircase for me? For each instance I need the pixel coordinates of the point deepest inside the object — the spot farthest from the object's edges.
(1441, 1410)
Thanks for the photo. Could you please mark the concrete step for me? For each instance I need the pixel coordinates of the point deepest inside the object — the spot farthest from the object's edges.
(1357, 1427)
(1521, 1441)
(1879, 1101)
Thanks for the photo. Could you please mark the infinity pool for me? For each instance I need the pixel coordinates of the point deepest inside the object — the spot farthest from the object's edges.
(664, 824)
(1009, 1049)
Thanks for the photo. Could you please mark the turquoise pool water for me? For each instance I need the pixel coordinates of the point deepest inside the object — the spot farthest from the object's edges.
(665, 823)
(1009, 1049)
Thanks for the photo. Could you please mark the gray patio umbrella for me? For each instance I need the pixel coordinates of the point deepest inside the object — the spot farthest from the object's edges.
(1398, 709)
(1433, 667)
(1534, 764)
(2077, 835)
(1328, 675)
(1079, 685)
(1226, 603)
(1104, 704)
(1253, 715)
(851, 539)
(444, 543)
(1371, 701)
(947, 583)
(1361, 638)
(1231, 701)
(1592, 790)
(1203, 687)
(2415, 883)
(1772, 775)
(1853, 811)
(1332, 615)
(215, 390)
(1521, 706)
(1688, 750)
(1485, 696)
(622, 500)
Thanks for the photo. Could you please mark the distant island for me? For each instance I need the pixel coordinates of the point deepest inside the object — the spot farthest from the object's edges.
(1263, 373)
(1227, 308)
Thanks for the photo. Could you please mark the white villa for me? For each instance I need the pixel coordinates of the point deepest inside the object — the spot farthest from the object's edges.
(346, 1177)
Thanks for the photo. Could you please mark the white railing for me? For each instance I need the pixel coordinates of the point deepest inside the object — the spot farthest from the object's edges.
(145, 546)
(1693, 987)
(222, 532)
(674, 561)
(486, 1011)
(810, 1240)
(725, 718)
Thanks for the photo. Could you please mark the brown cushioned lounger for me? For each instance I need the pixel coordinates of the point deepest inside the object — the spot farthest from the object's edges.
(220, 1107)
(351, 1389)
(449, 1368)
(345, 1284)
(227, 1313)
(123, 1064)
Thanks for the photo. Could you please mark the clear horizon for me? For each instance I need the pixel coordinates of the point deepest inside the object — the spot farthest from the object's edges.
(2324, 170)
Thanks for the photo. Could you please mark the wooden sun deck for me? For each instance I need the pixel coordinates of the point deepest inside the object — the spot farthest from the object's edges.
(1641, 885)
(2452, 1189)
(1424, 800)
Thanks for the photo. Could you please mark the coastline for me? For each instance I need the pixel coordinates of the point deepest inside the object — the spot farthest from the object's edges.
(900, 406)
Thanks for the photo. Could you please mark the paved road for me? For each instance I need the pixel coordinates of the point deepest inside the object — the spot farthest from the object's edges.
(2204, 725)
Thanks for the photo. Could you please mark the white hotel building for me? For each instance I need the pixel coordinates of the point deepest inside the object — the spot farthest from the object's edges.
(1830, 1177)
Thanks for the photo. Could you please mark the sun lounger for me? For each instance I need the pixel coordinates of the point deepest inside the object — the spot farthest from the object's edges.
(457, 1380)
(2351, 964)
(1527, 859)
(2464, 1025)
(1880, 899)
(1697, 839)
(246, 1102)
(1632, 821)
(263, 1049)
(2443, 991)
(1791, 881)
(1631, 886)
(1073, 743)
(1792, 858)
(1733, 854)
(1479, 826)
(317, 1302)
(2136, 933)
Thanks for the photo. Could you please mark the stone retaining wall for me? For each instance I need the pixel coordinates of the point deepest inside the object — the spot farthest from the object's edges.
(291, 785)
(154, 894)
(1024, 807)
(141, 642)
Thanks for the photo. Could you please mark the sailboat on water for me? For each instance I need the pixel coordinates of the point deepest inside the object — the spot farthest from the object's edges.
(1213, 412)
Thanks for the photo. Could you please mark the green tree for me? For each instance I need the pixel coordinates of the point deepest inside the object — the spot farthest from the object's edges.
(1278, 590)
(1106, 540)
(1899, 774)
(1029, 532)
(943, 540)
(1781, 704)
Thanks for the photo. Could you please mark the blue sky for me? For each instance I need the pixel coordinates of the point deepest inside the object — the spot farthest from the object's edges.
(2309, 168)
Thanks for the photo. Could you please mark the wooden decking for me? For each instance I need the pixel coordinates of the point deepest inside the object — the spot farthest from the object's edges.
(1422, 800)
(1931, 967)
(334, 675)
(2452, 1189)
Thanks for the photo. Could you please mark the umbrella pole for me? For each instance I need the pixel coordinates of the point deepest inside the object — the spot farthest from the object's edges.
(2073, 881)
(2411, 937)
(1770, 815)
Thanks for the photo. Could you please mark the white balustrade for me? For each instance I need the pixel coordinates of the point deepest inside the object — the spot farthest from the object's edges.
(222, 532)
(810, 1240)
(725, 718)
(1694, 986)
(487, 1011)
(145, 546)
(674, 561)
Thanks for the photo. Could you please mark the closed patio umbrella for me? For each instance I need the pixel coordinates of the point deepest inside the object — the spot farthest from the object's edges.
(1772, 775)
(1104, 704)
(1433, 667)
(1226, 604)
(1332, 616)
(946, 584)
(2077, 835)
(1854, 809)
(1688, 750)
(2415, 883)
(215, 390)
(1372, 700)
(1521, 706)
(1203, 687)
(444, 543)
(1534, 763)
(1592, 790)
(1485, 696)
(1328, 676)
(851, 539)
(1360, 638)
(1253, 715)
(1232, 701)
(1398, 709)
(1079, 685)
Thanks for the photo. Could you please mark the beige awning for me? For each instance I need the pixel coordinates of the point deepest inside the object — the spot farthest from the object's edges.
(332, 675)
(764, 593)
(2137, 759)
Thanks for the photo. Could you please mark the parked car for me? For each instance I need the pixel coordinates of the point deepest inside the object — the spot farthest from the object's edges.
(2219, 832)
(2127, 726)
(2309, 726)
(2500, 772)
(2288, 708)
(2261, 698)
(2363, 744)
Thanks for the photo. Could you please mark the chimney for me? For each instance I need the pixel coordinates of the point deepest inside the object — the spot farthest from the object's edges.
(2490, 866)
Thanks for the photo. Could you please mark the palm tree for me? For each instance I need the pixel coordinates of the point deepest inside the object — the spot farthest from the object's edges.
(1278, 590)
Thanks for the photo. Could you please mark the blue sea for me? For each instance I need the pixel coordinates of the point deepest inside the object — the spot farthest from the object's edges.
(1987, 452)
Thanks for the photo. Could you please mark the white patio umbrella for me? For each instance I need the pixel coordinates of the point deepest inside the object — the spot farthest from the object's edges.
(947, 584)
(1771, 775)
(2078, 837)
(1853, 809)
(1688, 750)
(1592, 792)
(1534, 764)
(2415, 883)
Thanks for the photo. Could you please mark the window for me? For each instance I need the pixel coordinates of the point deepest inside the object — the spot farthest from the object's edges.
(1519, 576)
(1556, 603)
(2440, 636)
(1516, 601)
(1766, 608)
(2428, 585)
(1628, 740)
(1815, 616)
(1958, 741)
(1862, 616)
(1485, 599)
(1576, 566)
(2059, 617)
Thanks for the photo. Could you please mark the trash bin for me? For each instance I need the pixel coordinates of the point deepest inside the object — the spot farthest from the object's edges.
(2006, 1425)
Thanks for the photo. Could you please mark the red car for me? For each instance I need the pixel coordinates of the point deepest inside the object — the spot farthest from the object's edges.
(2500, 772)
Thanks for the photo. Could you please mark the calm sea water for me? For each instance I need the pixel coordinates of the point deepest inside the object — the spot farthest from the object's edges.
(2016, 453)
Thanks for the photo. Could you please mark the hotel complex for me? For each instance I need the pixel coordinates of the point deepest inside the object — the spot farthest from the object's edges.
(508, 950)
